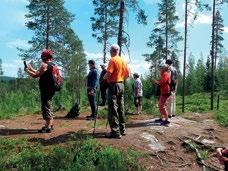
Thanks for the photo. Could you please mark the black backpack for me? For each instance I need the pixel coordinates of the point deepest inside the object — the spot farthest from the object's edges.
(74, 112)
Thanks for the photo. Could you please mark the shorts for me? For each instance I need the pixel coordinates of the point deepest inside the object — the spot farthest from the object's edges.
(46, 98)
(138, 101)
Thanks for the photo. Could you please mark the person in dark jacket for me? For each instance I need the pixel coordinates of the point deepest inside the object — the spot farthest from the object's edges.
(103, 85)
(92, 80)
(46, 88)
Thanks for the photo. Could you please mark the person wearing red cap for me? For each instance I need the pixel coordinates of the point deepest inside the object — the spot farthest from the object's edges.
(44, 73)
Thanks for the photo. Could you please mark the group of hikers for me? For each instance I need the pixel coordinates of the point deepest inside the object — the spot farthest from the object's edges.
(111, 89)
(111, 80)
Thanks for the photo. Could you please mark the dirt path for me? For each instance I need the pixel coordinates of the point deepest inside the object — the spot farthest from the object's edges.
(163, 145)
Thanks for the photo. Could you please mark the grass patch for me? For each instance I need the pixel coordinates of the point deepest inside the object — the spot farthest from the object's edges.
(79, 153)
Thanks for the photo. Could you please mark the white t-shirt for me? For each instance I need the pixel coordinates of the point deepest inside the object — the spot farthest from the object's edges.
(138, 92)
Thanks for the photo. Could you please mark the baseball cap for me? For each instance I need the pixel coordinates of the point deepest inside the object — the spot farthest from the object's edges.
(92, 62)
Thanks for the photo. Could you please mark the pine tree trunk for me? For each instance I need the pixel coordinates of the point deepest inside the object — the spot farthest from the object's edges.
(166, 32)
(212, 57)
(47, 26)
(216, 44)
(120, 34)
(105, 35)
(185, 53)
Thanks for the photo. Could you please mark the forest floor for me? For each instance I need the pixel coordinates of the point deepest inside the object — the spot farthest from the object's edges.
(164, 146)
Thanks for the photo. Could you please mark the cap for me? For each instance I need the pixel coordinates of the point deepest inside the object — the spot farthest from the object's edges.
(47, 53)
(92, 62)
(115, 46)
(136, 74)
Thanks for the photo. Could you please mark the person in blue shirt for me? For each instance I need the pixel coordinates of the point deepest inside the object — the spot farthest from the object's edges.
(92, 81)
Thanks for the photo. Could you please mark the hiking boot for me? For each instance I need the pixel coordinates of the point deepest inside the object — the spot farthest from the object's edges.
(123, 133)
(170, 116)
(173, 115)
(158, 120)
(45, 129)
(165, 123)
(89, 118)
(112, 135)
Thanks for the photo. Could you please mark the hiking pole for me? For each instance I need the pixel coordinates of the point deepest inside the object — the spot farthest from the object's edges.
(95, 121)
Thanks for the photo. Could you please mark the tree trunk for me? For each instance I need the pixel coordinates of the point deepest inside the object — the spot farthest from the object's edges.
(216, 44)
(185, 53)
(47, 26)
(120, 34)
(212, 57)
(105, 35)
(166, 32)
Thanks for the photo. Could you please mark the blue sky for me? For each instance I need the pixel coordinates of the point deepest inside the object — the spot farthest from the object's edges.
(13, 32)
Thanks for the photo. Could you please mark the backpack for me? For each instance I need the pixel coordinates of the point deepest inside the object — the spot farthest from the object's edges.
(74, 112)
(57, 81)
(173, 77)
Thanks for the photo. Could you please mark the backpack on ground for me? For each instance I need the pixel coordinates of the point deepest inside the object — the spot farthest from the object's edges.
(56, 77)
(74, 112)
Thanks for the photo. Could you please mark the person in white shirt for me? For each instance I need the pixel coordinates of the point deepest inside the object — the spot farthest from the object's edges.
(138, 92)
(171, 102)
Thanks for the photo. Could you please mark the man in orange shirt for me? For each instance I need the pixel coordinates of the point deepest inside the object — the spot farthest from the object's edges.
(117, 72)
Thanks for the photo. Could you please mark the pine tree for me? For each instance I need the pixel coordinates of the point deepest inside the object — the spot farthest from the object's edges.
(191, 76)
(165, 27)
(76, 68)
(104, 22)
(207, 79)
(1, 69)
(108, 15)
(199, 5)
(50, 22)
(220, 73)
(200, 75)
(156, 57)
(219, 28)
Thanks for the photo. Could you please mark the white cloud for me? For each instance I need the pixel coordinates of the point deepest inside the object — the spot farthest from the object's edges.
(139, 66)
(204, 19)
(135, 65)
(225, 29)
(10, 68)
(201, 18)
(18, 43)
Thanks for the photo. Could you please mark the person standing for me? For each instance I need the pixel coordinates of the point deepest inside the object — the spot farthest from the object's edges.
(164, 84)
(92, 80)
(171, 102)
(117, 72)
(103, 85)
(44, 73)
(138, 92)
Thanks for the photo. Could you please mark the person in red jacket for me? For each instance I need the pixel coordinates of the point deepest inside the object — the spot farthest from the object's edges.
(164, 84)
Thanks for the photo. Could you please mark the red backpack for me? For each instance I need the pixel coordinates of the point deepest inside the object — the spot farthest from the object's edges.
(57, 79)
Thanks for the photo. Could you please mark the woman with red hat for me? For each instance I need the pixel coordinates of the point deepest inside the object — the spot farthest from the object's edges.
(44, 73)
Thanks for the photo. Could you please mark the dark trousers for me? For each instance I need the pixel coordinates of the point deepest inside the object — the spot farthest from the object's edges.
(103, 89)
(116, 115)
(46, 97)
(92, 102)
